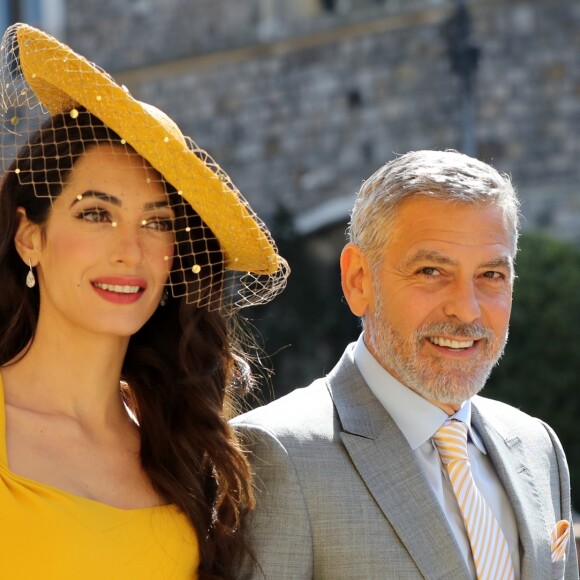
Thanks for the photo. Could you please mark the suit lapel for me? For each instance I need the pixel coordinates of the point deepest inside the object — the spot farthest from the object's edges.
(385, 462)
(506, 451)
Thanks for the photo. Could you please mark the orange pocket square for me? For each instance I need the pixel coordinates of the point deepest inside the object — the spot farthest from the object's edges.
(560, 536)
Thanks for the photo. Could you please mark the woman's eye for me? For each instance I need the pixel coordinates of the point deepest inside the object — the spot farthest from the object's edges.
(94, 215)
(158, 224)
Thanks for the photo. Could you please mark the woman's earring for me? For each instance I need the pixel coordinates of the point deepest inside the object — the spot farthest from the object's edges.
(164, 297)
(30, 279)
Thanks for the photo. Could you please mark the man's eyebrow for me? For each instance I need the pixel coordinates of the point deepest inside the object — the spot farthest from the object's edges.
(500, 262)
(98, 194)
(435, 257)
(429, 256)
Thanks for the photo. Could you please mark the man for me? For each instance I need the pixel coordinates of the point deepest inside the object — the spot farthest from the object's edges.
(359, 474)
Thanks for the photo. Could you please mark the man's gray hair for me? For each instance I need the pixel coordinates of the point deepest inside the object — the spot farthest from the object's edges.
(442, 175)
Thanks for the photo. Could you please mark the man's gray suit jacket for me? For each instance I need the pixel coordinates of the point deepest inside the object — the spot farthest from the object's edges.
(341, 496)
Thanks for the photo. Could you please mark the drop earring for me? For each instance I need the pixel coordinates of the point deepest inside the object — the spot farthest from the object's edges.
(30, 279)
(164, 298)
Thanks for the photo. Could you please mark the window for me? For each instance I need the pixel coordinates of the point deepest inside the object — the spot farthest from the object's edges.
(348, 5)
(329, 5)
(45, 14)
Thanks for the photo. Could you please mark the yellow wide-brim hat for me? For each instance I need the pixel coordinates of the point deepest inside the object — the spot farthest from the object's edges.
(62, 80)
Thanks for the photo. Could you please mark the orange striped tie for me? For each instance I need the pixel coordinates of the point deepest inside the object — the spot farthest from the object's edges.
(488, 544)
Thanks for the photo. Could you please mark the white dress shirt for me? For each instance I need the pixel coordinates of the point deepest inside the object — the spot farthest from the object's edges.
(418, 420)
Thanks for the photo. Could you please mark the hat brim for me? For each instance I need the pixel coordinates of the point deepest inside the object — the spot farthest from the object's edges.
(62, 80)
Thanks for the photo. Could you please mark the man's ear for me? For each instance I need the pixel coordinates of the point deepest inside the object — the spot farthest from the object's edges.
(28, 239)
(356, 279)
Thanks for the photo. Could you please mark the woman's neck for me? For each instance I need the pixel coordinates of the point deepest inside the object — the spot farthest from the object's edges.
(71, 373)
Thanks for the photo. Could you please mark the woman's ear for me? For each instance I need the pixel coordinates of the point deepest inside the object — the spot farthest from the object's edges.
(27, 239)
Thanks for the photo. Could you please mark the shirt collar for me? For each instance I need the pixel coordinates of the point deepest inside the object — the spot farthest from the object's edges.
(416, 417)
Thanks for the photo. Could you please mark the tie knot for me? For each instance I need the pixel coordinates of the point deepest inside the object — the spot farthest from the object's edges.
(451, 442)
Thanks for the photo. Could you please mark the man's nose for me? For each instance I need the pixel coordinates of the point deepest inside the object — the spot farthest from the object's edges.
(463, 302)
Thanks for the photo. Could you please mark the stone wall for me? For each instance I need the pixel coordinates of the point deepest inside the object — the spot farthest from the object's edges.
(300, 105)
(121, 34)
(300, 111)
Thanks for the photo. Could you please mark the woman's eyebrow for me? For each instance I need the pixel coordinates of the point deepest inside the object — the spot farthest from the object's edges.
(156, 204)
(115, 200)
(98, 194)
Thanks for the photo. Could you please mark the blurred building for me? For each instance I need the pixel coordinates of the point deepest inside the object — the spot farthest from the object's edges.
(300, 100)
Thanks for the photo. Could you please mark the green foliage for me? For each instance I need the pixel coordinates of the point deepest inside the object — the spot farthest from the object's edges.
(540, 371)
(306, 328)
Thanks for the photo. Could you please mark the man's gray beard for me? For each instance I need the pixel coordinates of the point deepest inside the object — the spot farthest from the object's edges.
(441, 379)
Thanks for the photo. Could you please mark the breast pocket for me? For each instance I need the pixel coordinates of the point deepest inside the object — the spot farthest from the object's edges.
(558, 569)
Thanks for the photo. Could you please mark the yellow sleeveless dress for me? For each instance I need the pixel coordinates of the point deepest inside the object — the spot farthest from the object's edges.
(49, 534)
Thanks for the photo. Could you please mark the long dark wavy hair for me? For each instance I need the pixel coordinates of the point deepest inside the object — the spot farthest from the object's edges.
(183, 369)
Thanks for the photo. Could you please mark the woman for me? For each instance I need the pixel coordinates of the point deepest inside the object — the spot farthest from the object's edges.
(123, 255)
